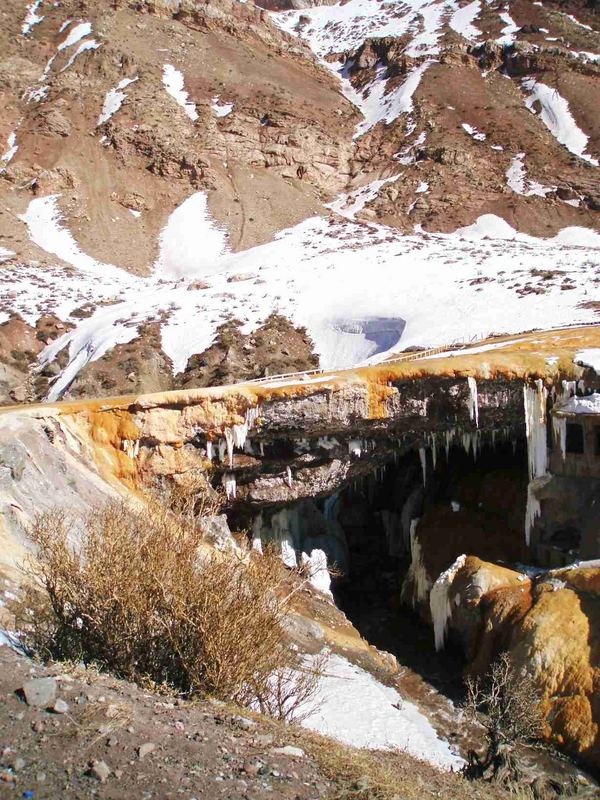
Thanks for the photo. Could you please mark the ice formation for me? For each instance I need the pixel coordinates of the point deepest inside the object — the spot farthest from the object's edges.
(229, 484)
(535, 400)
(417, 572)
(423, 460)
(131, 447)
(440, 602)
(532, 510)
(316, 568)
(473, 400)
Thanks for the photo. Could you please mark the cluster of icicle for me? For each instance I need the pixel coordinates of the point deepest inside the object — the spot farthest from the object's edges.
(235, 437)
(131, 447)
(535, 399)
(284, 529)
(559, 424)
(440, 602)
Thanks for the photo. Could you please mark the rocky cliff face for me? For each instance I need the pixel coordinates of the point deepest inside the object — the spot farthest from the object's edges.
(549, 626)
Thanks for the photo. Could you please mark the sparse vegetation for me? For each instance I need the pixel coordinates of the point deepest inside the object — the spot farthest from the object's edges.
(139, 593)
(506, 703)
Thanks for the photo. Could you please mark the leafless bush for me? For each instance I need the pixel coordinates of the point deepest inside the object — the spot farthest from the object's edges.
(507, 704)
(139, 593)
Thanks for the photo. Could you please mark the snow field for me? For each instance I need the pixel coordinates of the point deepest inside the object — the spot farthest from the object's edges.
(315, 274)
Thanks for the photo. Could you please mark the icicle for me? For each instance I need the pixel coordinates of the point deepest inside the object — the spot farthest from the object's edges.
(257, 527)
(535, 426)
(417, 572)
(514, 446)
(248, 447)
(532, 512)
(209, 450)
(228, 481)
(136, 448)
(261, 447)
(494, 439)
(229, 435)
(581, 386)
(355, 447)
(222, 447)
(434, 449)
(466, 441)
(440, 604)
(449, 438)
(569, 388)
(423, 458)
(535, 400)
(288, 554)
(559, 428)
(288, 477)
(473, 400)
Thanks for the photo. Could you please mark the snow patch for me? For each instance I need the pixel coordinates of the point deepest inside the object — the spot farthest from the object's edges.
(474, 133)
(221, 109)
(378, 105)
(516, 179)
(557, 117)
(353, 707)
(8, 156)
(589, 358)
(80, 31)
(173, 83)
(89, 44)
(44, 223)
(508, 32)
(114, 100)
(32, 17)
(348, 205)
(191, 243)
(462, 20)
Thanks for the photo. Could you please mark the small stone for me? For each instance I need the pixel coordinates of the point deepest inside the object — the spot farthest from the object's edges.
(60, 706)
(18, 764)
(118, 774)
(145, 749)
(264, 739)
(243, 723)
(100, 770)
(251, 767)
(40, 777)
(289, 750)
(37, 726)
(112, 741)
(40, 692)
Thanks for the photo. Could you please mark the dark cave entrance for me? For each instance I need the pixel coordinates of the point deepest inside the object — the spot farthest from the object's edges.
(468, 504)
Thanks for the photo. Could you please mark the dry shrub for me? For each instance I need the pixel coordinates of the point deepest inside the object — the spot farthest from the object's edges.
(506, 703)
(139, 593)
